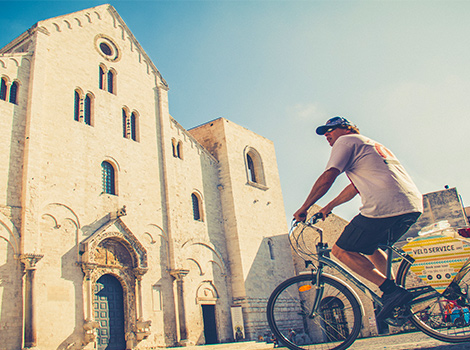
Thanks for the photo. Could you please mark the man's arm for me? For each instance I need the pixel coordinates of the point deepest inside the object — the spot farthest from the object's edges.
(346, 195)
(321, 186)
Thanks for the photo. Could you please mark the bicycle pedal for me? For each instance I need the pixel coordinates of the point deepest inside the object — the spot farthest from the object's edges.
(396, 322)
(399, 316)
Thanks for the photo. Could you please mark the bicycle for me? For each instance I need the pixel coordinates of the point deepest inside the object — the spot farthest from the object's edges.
(324, 312)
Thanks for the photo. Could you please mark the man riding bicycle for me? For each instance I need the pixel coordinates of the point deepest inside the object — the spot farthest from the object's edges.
(390, 202)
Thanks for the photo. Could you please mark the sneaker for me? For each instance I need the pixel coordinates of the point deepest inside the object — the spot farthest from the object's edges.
(397, 298)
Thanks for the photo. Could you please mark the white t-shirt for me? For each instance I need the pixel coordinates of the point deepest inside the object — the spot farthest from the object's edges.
(383, 184)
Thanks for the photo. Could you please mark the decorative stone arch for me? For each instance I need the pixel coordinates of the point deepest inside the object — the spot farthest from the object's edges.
(114, 250)
(254, 168)
(218, 259)
(9, 233)
(206, 293)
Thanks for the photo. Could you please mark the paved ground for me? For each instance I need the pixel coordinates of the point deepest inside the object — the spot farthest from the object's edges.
(407, 341)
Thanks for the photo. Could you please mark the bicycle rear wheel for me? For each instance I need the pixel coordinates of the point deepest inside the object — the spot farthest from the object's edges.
(334, 325)
(445, 316)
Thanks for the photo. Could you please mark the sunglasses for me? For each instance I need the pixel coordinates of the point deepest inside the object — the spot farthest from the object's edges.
(331, 129)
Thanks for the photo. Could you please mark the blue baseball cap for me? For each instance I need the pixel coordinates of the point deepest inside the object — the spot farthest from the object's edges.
(334, 123)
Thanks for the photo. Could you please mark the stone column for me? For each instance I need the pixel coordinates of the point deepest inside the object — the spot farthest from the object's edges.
(90, 324)
(87, 269)
(139, 273)
(181, 312)
(29, 262)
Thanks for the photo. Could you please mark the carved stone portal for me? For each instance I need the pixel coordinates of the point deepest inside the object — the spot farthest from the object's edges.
(114, 250)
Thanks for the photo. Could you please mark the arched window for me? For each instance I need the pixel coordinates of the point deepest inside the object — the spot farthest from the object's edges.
(251, 168)
(101, 78)
(88, 109)
(111, 81)
(14, 92)
(3, 89)
(83, 107)
(107, 79)
(254, 168)
(196, 207)
(130, 125)
(76, 112)
(108, 178)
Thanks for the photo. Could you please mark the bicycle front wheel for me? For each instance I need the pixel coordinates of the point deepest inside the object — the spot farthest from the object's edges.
(333, 324)
(445, 316)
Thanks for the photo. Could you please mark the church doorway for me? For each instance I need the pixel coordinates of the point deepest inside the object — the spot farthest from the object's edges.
(210, 327)
(109, 313)
(335, 325)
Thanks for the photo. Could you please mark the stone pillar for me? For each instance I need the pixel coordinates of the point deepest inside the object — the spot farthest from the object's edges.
(87, 269)
(89, 324)
(29, 337)
(181, 312)
(139, 273)
(142, 326)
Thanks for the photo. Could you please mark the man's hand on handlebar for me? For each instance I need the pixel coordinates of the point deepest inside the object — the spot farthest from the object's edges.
(325, 212)
(300, 215)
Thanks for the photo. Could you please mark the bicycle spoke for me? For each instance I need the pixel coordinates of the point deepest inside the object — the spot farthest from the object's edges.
(333, 325)
(443, 316)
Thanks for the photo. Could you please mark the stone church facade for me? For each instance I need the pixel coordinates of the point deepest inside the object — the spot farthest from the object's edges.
(117, 225)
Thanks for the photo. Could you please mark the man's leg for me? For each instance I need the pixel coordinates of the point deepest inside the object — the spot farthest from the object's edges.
(361, 265)
(379, 259)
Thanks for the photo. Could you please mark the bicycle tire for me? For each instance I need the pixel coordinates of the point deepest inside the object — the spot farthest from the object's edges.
(428, 308)
(335, 326)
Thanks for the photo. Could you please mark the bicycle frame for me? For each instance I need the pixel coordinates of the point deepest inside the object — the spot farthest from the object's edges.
(324, 260)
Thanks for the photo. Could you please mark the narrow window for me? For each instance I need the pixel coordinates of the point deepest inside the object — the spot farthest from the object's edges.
(101, 83)
(271, 250)
(110, 82)
(133, 125)
(14, 93)
(251, 168)
(173, 147)
(76, 112)
(157, 298)
(3, 89)
(196, 210)
(124, 123)
(88, 109)
(179, 150)
(108, 178)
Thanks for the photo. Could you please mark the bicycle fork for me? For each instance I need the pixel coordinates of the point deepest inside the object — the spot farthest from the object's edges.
(319, 286)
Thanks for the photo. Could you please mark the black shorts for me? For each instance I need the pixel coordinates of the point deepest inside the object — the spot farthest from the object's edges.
(364, 235)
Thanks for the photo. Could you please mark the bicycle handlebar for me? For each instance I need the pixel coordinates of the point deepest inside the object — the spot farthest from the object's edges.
(313, 220)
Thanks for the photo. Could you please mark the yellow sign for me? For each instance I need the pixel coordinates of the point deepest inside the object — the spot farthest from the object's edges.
(438, 258)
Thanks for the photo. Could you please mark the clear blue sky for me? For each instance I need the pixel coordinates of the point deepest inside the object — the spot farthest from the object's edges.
(399, 69)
